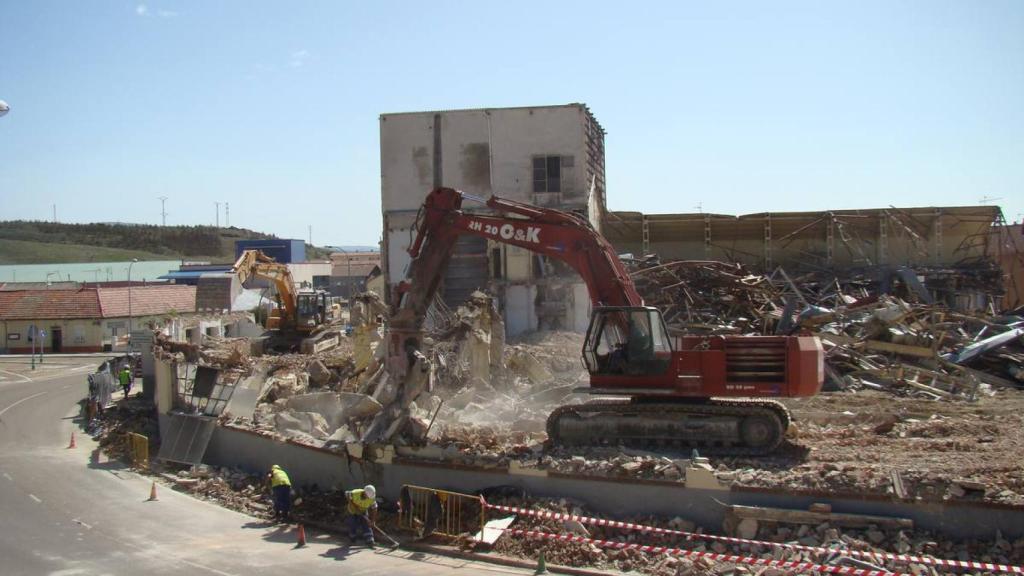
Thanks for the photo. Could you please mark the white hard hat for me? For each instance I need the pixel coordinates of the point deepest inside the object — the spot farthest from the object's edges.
(370, 491)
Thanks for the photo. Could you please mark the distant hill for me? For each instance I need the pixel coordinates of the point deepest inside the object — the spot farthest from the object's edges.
(33, 242)
(354, 248)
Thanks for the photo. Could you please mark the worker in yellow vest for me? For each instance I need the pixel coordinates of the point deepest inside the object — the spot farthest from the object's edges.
(281, 487)
(361, 504)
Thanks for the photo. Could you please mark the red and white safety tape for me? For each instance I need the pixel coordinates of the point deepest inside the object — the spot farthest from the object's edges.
(875, 556)
(788, 565)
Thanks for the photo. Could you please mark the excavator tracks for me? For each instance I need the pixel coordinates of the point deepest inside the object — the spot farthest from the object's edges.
(719, 426)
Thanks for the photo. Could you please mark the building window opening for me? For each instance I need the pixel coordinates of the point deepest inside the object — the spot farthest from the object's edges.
(547, 174)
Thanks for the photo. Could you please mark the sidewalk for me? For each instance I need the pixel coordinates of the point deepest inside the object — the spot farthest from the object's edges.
(4, 357)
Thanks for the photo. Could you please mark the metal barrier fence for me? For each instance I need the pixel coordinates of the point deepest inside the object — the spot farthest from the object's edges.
(428, 511)
(138, 447)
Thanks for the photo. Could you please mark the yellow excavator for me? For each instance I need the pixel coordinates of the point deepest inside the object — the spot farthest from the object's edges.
(301, 316)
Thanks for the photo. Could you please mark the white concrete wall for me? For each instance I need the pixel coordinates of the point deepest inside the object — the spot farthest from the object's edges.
(580, 307)
(303, 272)
(396, 244)
(513, 136)
(164, 378)
(483, 152)
(520, 315)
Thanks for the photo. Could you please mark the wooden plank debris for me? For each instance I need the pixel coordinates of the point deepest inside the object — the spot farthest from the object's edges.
(788, 516)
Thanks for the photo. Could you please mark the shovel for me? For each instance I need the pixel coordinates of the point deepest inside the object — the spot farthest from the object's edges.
(394, 543)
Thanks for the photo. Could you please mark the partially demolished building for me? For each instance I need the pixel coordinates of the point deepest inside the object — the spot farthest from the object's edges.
(947, 248)
(549, 156)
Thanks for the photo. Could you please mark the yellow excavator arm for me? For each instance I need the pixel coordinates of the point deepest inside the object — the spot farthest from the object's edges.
(253, 263)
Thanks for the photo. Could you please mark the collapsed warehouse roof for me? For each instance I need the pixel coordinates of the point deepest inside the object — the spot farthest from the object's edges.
(837, 239)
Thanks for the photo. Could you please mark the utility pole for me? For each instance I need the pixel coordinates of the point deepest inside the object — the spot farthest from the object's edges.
(163, 210)
(227, 215)
(217, 204)
(54, 213)
(310, 235)
(130, 264)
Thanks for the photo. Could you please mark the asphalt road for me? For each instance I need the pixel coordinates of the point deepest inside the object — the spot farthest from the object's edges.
(64, 511)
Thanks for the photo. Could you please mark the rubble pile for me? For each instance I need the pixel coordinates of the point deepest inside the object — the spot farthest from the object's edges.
(892, 350)
(829, 534)
(249, 494)
(881, 329)
(863, 443)
(111, 427)
(233, 489)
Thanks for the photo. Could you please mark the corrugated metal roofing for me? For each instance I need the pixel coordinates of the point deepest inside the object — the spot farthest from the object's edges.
(183, 274)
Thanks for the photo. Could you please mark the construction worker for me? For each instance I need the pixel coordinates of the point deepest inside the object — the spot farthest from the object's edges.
(361, 504)
(125, 378)
(281, 487)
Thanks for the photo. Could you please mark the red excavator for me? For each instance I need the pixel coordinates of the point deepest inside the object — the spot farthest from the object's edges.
(706, 392)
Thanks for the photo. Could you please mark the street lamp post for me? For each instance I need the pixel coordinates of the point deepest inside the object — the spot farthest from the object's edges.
(348, 278)
(134, 260)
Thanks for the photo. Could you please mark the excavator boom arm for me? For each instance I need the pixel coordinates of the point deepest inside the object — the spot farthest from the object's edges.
(255, 263)
(563, 236)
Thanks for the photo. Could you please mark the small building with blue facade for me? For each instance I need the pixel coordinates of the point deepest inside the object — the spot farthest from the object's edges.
(283, 250)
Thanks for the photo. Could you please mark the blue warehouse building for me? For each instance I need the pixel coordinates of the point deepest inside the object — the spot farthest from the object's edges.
(283, 250)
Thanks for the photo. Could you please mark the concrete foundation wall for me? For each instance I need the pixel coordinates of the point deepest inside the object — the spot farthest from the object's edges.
(306, 466)
(616, 498)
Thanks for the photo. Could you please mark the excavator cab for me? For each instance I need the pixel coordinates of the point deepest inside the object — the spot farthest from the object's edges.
(627, 340)
(311, 309)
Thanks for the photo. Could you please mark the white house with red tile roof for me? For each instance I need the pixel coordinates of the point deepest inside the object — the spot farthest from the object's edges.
(85, 319)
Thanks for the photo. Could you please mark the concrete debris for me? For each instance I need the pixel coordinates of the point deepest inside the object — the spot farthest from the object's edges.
(336, 408)
(301, 424)
(869, 538)
(318, 373)
(246, 492)
(901, 408)
(879, 329)
(226, 352)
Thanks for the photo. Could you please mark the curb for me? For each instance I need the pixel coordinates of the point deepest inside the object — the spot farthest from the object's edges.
(501, 560)
(452, 552)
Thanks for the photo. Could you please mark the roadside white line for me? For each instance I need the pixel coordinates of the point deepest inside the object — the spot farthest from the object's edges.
(36, 498)
(22, 400)
(203, 567)
(15, 374)
(8, 476)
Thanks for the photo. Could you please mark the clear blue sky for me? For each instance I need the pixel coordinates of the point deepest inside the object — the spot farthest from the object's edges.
(735, 106)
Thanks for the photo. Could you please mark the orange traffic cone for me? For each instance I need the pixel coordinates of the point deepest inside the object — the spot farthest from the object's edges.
(302, 537)
(72, 444)
(152, 493)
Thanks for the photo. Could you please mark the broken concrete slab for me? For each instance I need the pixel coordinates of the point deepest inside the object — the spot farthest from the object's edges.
(336, 408)
(358, 405)
(521, 361)
(493, 530)
(318, 373)
(301, 423)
